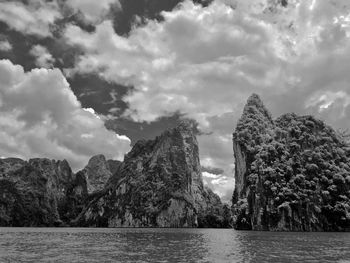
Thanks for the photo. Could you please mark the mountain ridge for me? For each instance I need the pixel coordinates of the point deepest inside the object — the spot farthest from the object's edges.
(159, 184)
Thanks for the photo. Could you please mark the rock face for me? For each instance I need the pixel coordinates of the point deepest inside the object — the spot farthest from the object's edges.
(98, 171)
(34, 193)
(292, 174)
(159, 184)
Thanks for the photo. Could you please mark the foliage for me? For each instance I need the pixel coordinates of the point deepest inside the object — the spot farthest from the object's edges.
(216, 217)
(160, 174)
(296, 160)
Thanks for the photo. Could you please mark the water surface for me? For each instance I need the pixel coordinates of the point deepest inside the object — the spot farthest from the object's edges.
(169, 245)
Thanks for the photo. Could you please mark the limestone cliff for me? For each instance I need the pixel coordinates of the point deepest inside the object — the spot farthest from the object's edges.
(34, 192)
(98, 171)
(291, 174)
(159, 184)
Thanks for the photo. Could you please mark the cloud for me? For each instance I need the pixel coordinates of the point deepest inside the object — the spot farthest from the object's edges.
(222, 184)
(93, 11)
(41, 117)
(174, 66)
(5, 45)
(215, 150)
(209, 175)
(204, 62)
(43, 57)
(212, 170)
(36, 18)
(219, 181)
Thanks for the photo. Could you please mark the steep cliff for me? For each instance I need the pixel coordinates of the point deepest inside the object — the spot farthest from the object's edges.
(98, 171)
(291, 174)
(34, 192)
(159, 184)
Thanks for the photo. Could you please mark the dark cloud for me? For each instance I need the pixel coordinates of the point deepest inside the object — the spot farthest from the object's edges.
(94, 92)
(125, 18)
(21, 45)
(90, 89)
(142, 130)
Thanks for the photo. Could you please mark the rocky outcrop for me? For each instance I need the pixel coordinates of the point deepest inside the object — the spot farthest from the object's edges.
(159, 184)
(34, 192)
(98, 171)
(292, 174)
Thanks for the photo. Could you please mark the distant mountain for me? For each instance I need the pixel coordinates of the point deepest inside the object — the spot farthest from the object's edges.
(159, 184)
(292, 173)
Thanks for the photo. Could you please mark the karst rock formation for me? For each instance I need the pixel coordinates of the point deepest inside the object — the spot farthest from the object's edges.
(291, 174)
(159, 184)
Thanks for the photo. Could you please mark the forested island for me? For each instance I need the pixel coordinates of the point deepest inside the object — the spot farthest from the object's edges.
(292, 173)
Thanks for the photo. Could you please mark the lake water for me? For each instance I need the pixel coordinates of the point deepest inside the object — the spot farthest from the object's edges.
(169, 245)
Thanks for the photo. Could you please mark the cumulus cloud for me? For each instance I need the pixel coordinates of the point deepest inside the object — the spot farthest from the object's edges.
(41, 117)
(36, 18)
(43, 57)
(93, 11)
(222, 53)
(205, 61)
(211, 52)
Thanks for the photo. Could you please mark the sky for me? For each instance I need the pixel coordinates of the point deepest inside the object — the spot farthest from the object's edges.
(83, 77)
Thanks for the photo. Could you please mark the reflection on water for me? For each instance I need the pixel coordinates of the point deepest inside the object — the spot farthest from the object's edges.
(169, 245)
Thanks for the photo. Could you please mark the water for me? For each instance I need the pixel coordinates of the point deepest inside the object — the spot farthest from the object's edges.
(169, 245)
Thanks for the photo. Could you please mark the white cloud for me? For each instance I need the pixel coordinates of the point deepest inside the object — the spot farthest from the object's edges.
(5, 45)
(210, 175)
(215, 150)
(43, 57)
(41, 117)
(205, 62)
(193, 62)
(92, 111)
(93, 11)
(34, 18)
(221, 180)
(326, 99)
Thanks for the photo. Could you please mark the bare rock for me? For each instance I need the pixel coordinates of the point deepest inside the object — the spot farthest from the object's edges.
(97, 173)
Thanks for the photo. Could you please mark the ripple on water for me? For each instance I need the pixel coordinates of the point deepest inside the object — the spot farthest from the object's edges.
(169, 245)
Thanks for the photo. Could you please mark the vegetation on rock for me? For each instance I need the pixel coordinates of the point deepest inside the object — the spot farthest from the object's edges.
(292, 173)
(159, 184)
(34, 193)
